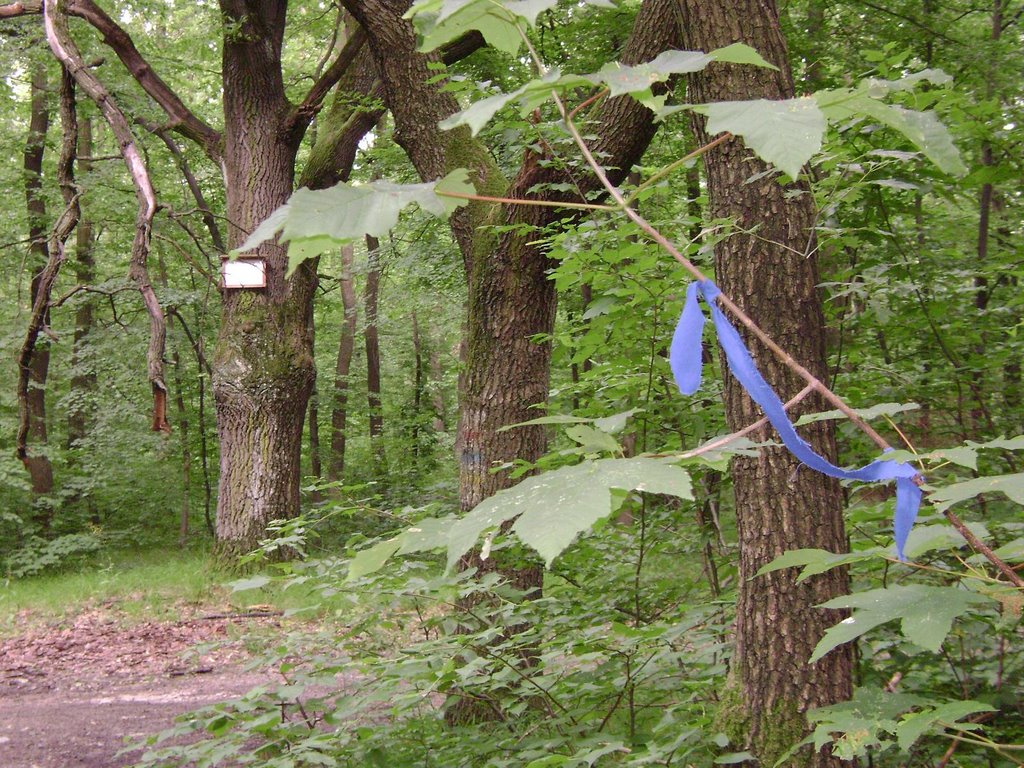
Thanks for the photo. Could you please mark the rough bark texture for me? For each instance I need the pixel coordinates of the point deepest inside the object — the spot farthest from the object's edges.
(263, 365)
(39, 468)
(780, 505)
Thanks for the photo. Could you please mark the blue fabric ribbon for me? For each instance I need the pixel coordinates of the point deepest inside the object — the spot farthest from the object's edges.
(685, 360)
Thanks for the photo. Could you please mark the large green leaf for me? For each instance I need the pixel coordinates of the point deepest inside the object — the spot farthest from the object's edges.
(529, 97)
(441, 21)
(622, 79)
(915, 725)
(784, 133)
(1011, 485)
(315, 221)
(922, 128)
(873, 412)
(926, 614)
(555, 507)
(815, 561)
(619, 78)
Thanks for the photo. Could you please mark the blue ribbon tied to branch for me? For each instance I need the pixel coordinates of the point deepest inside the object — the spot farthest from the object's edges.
(685, 358)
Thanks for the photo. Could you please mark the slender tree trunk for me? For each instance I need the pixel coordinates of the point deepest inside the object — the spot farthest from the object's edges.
(780, 505)
(371, 336)
(39, 468)
(83, 372)
(263, 365)
(418, 383)
(315, 466)
(437, 390)
(83, 376)
(346, 346)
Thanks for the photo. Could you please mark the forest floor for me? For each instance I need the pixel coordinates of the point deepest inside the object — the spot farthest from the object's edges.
(73, 691)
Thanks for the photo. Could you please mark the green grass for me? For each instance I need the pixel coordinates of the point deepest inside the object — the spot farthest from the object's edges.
(139, 585)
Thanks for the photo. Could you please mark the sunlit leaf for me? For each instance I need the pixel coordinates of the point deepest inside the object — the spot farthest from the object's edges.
(926, 614)
(923, 129)
(555, 507)
(314, 221)
(784, 133)
(1010, 485)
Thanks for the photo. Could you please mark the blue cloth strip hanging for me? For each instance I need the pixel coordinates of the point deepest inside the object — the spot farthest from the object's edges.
(686, 363)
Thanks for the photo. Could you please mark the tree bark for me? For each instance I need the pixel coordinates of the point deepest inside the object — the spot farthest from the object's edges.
(83, 376)
(780, 505)
(39, 467)
(346, 346)
(371, 337)
(263, 365)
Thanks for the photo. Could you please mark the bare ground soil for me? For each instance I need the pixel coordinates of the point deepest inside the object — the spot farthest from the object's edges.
(71, 693)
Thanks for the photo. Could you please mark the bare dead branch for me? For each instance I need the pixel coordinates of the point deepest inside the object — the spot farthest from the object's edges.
(64, 48)
(193, 184)
(20, 9)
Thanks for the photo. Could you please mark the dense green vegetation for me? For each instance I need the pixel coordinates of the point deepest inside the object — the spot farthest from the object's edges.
(623, 650)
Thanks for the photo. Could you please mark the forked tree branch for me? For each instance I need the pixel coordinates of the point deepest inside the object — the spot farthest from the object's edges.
(299, 118)
(181, 118)
(64, 48)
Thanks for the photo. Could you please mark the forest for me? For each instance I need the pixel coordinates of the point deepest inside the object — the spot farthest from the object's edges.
(377, 331)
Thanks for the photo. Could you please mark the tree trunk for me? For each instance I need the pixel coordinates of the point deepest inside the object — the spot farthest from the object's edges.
(263, 365)
(39, 468)
(346, 346)
(780, 505)
(83, 376)
(371, 336)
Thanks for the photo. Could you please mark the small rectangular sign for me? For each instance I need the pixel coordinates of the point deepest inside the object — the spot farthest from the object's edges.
(243, 273)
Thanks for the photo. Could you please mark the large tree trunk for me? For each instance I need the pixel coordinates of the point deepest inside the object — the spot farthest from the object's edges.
(780, 505)
(39, 468)
(263, 366)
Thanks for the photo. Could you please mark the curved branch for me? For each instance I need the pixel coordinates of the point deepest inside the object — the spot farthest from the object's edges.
(59, 38)
(182, 119)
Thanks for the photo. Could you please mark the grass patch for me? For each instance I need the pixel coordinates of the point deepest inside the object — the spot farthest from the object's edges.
(141, 584)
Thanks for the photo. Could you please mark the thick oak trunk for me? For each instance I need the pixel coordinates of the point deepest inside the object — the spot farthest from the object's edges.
(263, 366)
(780, 505)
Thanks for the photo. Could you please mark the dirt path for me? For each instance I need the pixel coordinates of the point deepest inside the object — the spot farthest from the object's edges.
(71, 693)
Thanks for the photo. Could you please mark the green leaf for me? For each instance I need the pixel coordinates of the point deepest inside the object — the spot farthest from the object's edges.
(914, 726)
(441, 21)
(815, 561)
(555, 507)
(254, 582)
(372, 559)
(784, 133)
(926, 612)
(733, 758)
(1010, 485)
(314, 221)
(529, 96)
(859, 723)
(922, 128)
(927, 538)
(881, 409)
(616, 422)
(592, 440)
